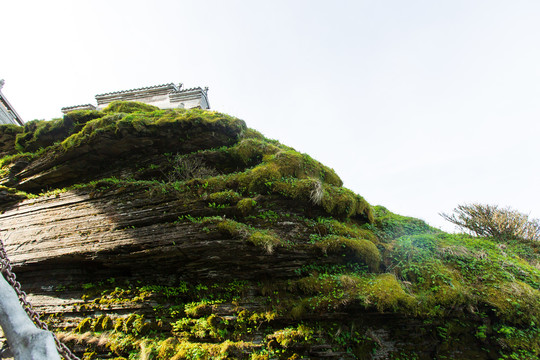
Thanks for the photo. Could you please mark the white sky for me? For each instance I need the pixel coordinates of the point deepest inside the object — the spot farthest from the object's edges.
(418, 105)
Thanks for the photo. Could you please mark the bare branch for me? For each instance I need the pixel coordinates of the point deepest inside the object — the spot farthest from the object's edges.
(492, 221)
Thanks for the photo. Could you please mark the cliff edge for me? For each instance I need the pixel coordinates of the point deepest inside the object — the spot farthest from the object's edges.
(183, 234)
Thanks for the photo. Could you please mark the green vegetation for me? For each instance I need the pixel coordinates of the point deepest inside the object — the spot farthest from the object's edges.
(300, 266)
(129, 107)
(39, 134)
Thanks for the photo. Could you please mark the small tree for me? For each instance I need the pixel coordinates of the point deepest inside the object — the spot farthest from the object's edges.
(490, 220)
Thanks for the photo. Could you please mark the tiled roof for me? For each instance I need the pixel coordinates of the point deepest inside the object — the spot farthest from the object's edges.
(138, 89)
(191, 89)
(76, 106)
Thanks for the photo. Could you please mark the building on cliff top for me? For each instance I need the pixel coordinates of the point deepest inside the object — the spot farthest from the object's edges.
(8, 115)
(166, 96)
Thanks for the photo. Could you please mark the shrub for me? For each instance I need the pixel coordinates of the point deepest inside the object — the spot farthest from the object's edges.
(186, 168)
(492, 221)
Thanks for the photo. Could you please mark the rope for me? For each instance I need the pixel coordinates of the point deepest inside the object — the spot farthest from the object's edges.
(9, 275)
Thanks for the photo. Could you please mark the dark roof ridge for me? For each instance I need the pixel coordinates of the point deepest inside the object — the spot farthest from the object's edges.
(143, 88)
(190, 89)
(74, 106)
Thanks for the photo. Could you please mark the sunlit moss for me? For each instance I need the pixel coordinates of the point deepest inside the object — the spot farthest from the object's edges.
(246, 206)
(385, 293)
(515, 302)
(265, 239)
(365, 250)
(225, 197)
(129, 107)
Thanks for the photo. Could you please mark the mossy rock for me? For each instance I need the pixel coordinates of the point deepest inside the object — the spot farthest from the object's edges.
(225, 197)
(246, 206)
(167, 348)
(365, 250)
(233, 228)
(8, 135)
(265, 239)
(103, 323)
(39, 134)
(385, 293)
(84, 326)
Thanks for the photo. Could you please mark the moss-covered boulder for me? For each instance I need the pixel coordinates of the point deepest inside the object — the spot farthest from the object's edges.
(183, 234)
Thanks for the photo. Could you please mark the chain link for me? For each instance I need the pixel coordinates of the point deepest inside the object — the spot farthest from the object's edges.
(11, 278)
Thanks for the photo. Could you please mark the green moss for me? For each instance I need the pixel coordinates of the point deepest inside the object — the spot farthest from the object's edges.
(261, 238)
(286, 164)
(329, 226)
(336, 201)
(265, 239)
(343, 202)
(10, 129)
(11, 159)
(251, 150)
(259, 179)
(292, 163)
(515, 302)
(288, 336)
(42, 134)
(129, 107)
(392, 226)
(491, 288)
(365, 250)
(118, 324)
(176, 124)
(384, 292)
(294, 175)
(253, 134)
(234, 228)
(246, 206)
(102, 323)
(81, 117)
(294, 188)
(14, 194)
(91, 130)
(225, 197)
(84, 326)
(199, 309)
(8, 134)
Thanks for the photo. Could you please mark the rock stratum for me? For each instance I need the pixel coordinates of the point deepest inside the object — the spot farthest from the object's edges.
(142, 233)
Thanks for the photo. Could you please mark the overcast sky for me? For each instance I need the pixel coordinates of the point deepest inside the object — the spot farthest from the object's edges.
(418, 105)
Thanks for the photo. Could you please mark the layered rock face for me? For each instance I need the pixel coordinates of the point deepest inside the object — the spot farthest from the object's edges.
(172, 234)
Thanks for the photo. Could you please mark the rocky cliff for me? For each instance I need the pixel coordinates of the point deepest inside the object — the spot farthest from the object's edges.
(174, 234)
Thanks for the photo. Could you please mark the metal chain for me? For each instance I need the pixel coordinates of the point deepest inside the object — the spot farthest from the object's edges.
(5, 268)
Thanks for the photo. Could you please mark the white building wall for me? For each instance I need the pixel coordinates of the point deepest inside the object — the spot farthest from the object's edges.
(6, 117)
(161, 101)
